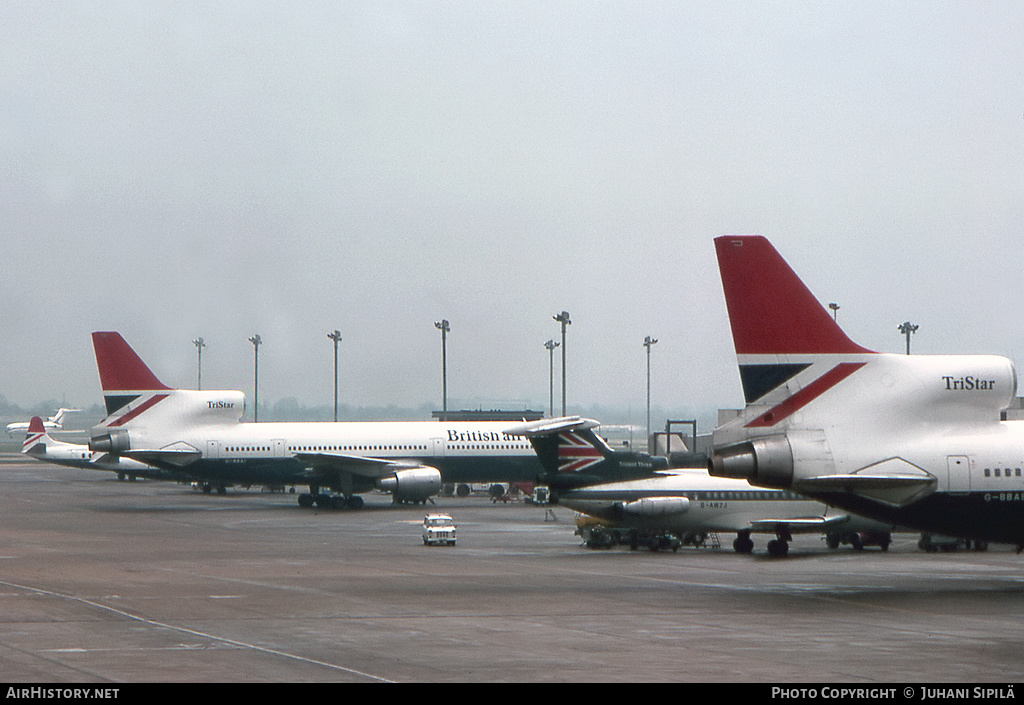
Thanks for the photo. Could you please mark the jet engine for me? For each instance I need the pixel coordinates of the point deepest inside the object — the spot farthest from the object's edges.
(116, 441)
(413, 484)
(656, 506)
(766, 462)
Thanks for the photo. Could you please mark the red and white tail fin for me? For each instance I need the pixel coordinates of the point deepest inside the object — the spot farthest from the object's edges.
(123, 374)
(121, 370)
(780, 330)
(770, 309)
(36, 438)
(154, 413)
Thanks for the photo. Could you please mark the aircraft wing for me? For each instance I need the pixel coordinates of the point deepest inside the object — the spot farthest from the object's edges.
(799, 525)
(372, 468)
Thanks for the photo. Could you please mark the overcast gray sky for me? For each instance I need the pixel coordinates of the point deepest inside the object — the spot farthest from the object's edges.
(218, 169)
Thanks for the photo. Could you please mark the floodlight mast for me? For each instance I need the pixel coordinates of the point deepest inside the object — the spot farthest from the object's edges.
(563, 318)
(443, 326)
(256, 342)
(907, 328)
(200, 344)
(336, 337)
(648, 342)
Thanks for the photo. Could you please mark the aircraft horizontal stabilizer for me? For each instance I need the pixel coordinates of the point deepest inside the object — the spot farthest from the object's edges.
(166, 458)
(891, 489)
(546, 427)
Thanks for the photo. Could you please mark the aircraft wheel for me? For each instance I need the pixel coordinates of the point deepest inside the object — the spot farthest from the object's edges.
(305, 500)
(777, 548)
(743, 544)
(354, 502)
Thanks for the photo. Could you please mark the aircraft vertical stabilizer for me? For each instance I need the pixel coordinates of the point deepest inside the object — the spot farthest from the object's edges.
(874, 433)
(36, 438)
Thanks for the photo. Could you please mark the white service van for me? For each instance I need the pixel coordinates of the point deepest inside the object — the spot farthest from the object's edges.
(438, 528)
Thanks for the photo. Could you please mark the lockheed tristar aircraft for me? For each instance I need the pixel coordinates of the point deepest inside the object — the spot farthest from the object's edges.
(913, 440)
(39, 445)
(197, 434)
(685, 502)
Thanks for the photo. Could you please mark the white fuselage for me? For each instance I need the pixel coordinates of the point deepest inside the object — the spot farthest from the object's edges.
(712, 504)
(205, 427)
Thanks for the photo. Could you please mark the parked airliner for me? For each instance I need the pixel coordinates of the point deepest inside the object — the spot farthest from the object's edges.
(687, 502)
(913, 440)
(198, 435)
(39, 445)
(53, 423)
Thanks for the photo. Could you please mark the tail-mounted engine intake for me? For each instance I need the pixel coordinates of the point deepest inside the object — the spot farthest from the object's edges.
(115, 441)
(766, 462)
(412, 485)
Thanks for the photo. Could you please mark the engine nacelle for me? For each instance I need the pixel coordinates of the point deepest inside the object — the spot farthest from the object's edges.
(656, 506)
(114, 441)
(766, 462)
(413, 484)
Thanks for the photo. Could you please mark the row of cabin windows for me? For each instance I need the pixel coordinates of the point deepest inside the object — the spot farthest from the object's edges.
(499, 446)
(299, 449)
(744, 495)
(1006, 472)
(314, 449)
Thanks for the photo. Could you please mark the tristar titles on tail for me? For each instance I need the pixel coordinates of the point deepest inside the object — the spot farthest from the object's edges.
(198, 435)
(913, 440)
(617, 486)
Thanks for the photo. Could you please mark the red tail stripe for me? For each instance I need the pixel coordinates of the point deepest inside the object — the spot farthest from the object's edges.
(148, 404)
(806, 395)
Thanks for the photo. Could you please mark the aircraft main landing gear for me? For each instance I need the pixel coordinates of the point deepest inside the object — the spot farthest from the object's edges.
(743, 544)
(330, 501)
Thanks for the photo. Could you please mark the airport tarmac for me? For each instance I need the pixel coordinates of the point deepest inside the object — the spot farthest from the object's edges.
(107, 581)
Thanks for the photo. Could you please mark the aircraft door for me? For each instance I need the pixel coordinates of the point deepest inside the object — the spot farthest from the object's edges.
(437, 447)
(958, 469)
(213, 449)
(278, 446)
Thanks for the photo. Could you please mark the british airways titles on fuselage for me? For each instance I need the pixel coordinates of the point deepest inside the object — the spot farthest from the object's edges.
(199, 434)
